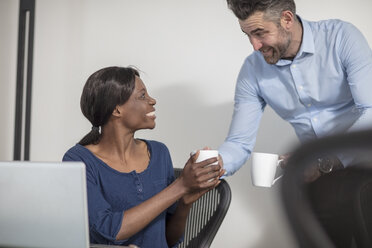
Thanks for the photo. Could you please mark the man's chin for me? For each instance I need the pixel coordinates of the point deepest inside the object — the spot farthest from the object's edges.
(271, 60)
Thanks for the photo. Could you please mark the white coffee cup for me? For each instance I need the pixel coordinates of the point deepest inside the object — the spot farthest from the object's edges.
(206, 154)
(263, 169)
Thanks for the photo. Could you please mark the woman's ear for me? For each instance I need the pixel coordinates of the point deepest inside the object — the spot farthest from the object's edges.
(116, 111)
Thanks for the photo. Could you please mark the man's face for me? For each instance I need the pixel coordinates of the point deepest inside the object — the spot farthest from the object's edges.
(268, 37)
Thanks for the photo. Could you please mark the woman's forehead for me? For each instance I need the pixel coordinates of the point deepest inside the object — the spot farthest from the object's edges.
(139, 85)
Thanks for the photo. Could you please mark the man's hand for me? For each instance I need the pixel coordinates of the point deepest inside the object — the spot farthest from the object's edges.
(284, 159)
(311, 172)
(220, 160)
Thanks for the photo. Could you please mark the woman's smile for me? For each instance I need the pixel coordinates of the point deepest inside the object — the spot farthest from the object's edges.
(151, 115)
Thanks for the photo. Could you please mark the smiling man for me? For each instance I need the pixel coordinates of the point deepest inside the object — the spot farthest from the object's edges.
(315, 75)
(273, 40)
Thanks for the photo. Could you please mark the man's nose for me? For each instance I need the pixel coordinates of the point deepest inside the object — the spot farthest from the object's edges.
(257, 44)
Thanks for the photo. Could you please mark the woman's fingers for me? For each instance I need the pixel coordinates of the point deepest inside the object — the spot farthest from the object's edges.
(201, 175)
(209, 176)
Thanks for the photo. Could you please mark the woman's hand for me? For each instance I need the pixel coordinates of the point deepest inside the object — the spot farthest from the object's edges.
(202, 176)
(195, 180)
(190, 198)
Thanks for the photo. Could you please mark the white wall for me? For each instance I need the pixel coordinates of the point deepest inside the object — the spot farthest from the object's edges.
(8, 66)
(190, 53)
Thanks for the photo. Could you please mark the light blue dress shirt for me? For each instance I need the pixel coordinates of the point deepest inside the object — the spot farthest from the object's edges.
(326, 89)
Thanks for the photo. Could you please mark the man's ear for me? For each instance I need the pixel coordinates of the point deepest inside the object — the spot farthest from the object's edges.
(287, 19)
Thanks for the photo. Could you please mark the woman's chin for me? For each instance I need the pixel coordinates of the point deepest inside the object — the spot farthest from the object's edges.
(152, 126)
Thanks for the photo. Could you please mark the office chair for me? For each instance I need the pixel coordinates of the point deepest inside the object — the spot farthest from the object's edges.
(308, 231)
(206, 216)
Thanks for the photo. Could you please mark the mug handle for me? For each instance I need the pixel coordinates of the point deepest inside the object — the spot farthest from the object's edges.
(276, 179)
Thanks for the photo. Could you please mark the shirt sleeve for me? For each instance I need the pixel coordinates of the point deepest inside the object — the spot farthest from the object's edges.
(170, 179)
(248, 110)
(104, 224)
(356, 57)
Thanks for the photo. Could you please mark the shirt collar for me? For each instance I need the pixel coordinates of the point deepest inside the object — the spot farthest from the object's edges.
(307, 44)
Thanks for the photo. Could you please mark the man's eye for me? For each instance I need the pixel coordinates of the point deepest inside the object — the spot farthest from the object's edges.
(143, 96)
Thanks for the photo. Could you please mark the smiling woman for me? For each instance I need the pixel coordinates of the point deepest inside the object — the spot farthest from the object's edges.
(132, 191)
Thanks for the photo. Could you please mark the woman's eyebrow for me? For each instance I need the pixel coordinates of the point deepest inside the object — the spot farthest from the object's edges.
(142, 89)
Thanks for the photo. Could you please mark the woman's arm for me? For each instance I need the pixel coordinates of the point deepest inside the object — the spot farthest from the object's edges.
(195, 177)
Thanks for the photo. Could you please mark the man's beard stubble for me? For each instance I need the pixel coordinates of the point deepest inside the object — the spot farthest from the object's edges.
(280, 49)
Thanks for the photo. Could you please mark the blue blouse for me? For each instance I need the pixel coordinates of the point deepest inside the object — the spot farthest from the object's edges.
(111, 192)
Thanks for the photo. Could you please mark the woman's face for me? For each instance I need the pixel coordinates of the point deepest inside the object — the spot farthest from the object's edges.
(138, 112)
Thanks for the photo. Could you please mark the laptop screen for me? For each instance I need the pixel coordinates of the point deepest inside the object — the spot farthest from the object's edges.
(43, 204)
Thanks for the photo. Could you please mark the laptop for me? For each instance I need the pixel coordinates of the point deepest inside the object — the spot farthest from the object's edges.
(43, 204)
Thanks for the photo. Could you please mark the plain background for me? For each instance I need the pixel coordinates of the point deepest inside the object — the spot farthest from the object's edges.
(189, 52)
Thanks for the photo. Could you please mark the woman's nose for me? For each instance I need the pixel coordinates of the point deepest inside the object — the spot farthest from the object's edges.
(152, 101)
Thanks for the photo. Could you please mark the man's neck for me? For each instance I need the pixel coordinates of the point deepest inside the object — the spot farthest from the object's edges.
(296, 42)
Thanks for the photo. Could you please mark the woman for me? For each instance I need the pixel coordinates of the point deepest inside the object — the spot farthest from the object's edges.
(130, 182)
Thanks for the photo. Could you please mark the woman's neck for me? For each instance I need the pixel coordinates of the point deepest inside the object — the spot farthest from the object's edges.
(120, 150)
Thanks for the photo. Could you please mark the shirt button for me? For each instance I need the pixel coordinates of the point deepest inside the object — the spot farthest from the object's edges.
(309, 105)
(293, 66)
(301, 87)
(140, 190)
(315, 119)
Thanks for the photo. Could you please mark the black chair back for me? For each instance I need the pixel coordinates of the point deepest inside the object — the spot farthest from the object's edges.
(307, 229)
(206, 216)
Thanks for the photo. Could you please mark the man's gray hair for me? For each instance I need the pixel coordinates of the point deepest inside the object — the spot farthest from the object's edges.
(272, 9)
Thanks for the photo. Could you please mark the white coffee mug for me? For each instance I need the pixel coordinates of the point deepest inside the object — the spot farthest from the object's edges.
(205, 154)
(264, 168)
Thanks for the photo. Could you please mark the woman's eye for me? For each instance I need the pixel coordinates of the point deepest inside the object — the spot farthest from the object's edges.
(143, 96)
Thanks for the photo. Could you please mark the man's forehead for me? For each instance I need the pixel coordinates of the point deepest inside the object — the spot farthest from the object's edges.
(256, 22)
(253, 22)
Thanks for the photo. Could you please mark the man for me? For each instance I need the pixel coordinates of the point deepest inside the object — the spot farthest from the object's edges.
(315, 75)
